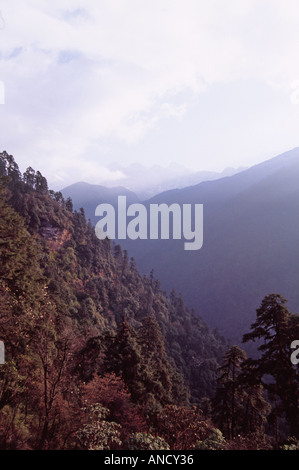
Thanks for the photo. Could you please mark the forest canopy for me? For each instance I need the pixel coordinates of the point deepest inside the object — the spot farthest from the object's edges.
(99, 357)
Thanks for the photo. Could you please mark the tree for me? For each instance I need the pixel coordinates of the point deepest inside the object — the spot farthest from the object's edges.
(228, 401)
(62, 296)
(53, 354)
(154, 354)
(8, 167)
(69, 204)
(41, 184)
(113, 395)
(125, 360)
(255, 407)
(162, 379)
(182, 427)
(276, 326)
(97, 433)
(145, 441)
(214, 441)
(29, 177)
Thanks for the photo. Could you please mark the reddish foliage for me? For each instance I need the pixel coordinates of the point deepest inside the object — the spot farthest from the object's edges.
(111, 391)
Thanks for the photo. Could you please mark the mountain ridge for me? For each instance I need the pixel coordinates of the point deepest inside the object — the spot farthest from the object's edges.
(249, 248)
(243, 213)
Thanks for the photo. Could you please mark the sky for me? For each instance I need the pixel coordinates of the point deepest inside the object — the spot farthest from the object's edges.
(204, 84)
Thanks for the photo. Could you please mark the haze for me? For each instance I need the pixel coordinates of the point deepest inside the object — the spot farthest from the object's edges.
(206, 85)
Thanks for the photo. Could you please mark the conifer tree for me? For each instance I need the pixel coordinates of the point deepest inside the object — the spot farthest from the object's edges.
(275, 326)
(228, 401)
(157, 367)
(125, 360)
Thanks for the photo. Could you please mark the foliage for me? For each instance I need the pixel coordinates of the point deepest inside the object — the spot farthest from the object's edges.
(83, 329)
(99, 357)
(255, 395)
(97, 433)
(250, 442)
(291, 444)
(144, 441)
(273, 369)
(214, 441)
(182, 427)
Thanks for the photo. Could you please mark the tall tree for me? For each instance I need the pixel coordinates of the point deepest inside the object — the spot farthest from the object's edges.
(162, 378)
(275, 326)
(228, 401)
(125, 360)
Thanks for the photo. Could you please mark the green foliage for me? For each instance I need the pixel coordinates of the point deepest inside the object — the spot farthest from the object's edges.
(144, 441)
(277, 327)
(291, 444)
(74, 308)
(97, 354)
(261, 393)
(228, 401)
(182, 427)
(215, 441)
(97, 433)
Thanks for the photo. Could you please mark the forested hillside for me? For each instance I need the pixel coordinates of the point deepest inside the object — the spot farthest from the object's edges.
(76, 317)
(89, 196)
(250, 240)
(99, 357)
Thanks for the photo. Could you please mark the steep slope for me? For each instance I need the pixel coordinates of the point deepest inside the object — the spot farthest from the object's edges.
(250, 249)
(89, 196)
(93, 285)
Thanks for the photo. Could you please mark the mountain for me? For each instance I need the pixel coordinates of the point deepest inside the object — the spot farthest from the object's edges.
(88, 196)
(77, 313)
(250, 247)
(143, 183)
(99, 357)
(149, 181)
(251, 228)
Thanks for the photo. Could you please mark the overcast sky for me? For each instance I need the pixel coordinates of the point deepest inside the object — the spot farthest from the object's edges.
(203, 83)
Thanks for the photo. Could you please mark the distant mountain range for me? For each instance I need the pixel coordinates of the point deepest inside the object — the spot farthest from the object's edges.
(148, 181)
(138, 183)
(250, 248)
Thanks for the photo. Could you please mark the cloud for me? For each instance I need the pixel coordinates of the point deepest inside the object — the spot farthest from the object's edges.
(79, 74)
(72, 171)
(2, 21)
(295, 92)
